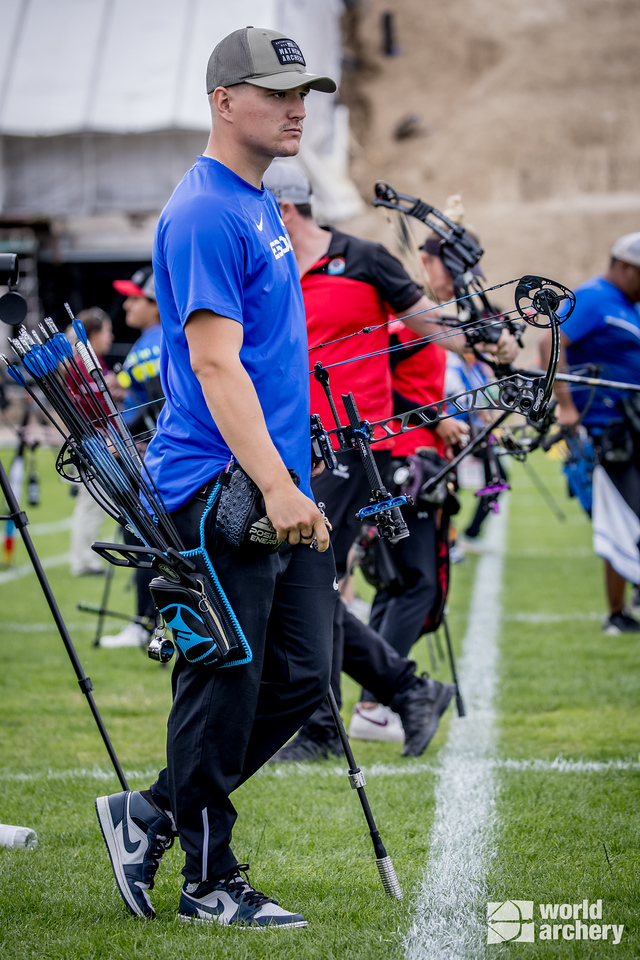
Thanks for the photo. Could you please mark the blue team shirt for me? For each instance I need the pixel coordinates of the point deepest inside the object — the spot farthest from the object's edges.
(221, 245)
(142, 364)
(604, 329)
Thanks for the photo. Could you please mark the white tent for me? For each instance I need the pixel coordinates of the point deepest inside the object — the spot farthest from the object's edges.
(103, 107)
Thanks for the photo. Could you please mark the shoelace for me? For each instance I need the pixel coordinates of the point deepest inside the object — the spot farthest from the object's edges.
(239, 884)
(153, 856)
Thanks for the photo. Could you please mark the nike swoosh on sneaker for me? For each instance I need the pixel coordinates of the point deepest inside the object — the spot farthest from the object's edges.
(259, 225)
(129, 845)
(377, 723)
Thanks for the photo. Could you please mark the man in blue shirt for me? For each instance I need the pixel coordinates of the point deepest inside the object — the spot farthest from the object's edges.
(235, 374)
(604, 329)
(140, 373)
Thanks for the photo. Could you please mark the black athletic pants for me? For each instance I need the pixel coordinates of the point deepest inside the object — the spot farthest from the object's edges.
(399, 612)
(226, 723)
(357, 649)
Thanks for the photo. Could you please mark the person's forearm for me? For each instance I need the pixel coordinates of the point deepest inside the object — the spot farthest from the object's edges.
(561, 389)
(422, 319)
(235, 408)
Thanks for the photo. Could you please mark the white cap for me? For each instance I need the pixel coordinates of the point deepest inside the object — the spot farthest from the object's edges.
(286, 181)
(627, 249)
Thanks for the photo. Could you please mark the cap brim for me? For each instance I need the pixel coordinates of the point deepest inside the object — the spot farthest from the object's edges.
(128, 288)
(292, 79)
(632, 260)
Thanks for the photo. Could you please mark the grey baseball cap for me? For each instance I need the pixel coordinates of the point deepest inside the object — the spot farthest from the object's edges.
(264, 58)
(286, 181)
(627, 249)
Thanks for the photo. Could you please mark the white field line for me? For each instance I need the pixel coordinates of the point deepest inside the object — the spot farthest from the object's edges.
(52, 526)
(551, 617)
(79, 773)
(17, 573)
(323, 771)
(562, 553)
(449, 921)
(42, 627)
(23, 627)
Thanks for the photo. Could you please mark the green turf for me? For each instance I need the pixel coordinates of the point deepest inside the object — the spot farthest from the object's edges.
(305, 837)
(564, 690)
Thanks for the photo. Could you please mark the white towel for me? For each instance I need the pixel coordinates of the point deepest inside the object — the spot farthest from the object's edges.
(616, 528)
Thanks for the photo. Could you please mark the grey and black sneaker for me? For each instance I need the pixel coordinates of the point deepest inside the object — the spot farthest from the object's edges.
(233, 901)
(619, 623)
(420, 709)
(303, 747)
(136, 835)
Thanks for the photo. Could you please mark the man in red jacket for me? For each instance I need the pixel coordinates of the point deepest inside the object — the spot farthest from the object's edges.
(349, 284)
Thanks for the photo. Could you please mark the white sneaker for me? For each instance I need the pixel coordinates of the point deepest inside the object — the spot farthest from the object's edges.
(133, 635)
(472, 545)
(456, 554)
(377, 723)
(360, 609)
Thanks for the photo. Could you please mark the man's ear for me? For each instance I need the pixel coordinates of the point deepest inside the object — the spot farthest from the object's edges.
(220, 101)
(287, 211)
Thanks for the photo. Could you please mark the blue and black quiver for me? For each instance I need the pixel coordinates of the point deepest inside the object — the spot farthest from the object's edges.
(195, 608)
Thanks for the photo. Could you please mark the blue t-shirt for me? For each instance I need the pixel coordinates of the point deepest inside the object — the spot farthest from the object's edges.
(142, 364)
(221, 245)
(604, 329)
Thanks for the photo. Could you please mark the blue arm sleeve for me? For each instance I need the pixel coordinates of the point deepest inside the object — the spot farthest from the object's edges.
(586, 317)
(206, 254)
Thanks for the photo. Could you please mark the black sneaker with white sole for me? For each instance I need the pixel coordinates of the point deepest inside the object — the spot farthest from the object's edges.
(420, 709)
(136, 835)
(233, 901)
(619, 623)
(303, 747)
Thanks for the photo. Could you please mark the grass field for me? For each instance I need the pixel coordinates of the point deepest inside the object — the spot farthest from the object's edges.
(564, 833)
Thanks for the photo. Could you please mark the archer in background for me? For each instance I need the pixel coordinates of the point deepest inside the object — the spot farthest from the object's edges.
(604, 330)
(465, 371)
(348, 284)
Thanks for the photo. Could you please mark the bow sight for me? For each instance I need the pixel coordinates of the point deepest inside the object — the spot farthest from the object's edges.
(460, 253)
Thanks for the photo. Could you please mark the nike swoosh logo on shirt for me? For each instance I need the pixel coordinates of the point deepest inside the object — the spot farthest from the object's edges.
(259, 225)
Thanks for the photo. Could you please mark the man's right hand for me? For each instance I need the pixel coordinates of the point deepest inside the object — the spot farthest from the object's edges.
(296, 518)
